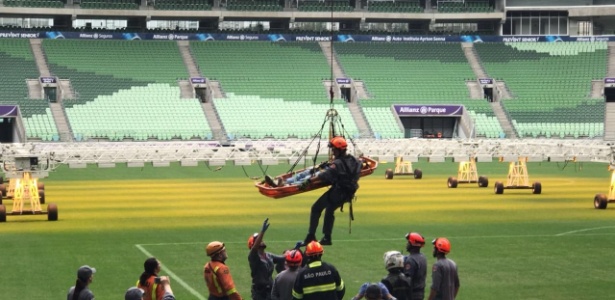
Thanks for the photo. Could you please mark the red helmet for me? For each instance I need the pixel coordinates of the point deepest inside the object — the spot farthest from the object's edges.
(338, 142)
(252, 239)
(415, 239)
(442, 245)
(314, 248)
(294, 258)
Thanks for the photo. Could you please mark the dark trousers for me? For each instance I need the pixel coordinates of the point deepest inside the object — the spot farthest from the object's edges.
(329, 202)
(261, 292)
(418, 294)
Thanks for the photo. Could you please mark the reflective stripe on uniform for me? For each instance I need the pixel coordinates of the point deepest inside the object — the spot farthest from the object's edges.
(319, 288)
(341, 286)
(297, 295)
(231, 291)
(315, 264)
(154, 296)
(215, 280)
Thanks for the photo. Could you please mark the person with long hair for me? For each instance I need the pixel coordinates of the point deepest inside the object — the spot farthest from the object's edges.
(147, 281)
(81, 290)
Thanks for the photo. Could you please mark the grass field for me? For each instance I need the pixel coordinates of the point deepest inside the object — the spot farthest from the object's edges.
(511, 246)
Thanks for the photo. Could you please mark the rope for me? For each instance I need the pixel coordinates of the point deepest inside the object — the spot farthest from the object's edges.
(254, 177)
(304, 152)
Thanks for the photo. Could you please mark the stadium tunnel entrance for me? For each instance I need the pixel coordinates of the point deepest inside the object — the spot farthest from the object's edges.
(12, 129)
(433, 121)
(429, 127)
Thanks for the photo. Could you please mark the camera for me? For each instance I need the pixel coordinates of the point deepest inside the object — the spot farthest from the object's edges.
(157, 280)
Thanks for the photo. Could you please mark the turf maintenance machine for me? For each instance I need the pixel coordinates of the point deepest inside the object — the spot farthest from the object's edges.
(8, 191)
(518, 178)
(23, 173)
(403, 168)
(601, 200)
(467, 174)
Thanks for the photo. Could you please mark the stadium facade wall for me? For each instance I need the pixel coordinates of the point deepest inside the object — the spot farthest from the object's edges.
(295, 38)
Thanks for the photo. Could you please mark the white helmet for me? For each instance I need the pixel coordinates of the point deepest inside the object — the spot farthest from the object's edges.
(393, 259)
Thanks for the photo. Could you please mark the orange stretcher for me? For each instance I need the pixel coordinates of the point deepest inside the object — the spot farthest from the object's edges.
(369, 165)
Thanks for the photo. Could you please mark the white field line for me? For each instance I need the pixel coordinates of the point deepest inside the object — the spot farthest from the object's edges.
(583, 230)
(174, 276)
(398, 239)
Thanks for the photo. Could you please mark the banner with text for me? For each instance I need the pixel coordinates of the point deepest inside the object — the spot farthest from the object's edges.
(198, 80)
(47, 79)
(295, 38)
(405, 110)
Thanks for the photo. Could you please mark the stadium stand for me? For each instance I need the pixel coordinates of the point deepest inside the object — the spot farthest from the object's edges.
(17, 65)
(154, 111)
(110, 71)
(413, 73)
(292, 71)
(34, 3)
(184, 5)
(395, 6)
(551, 83)
(249, 5)
(335, 5)
(109, 4)
(274, 117)
(476, 6)
(289, 71)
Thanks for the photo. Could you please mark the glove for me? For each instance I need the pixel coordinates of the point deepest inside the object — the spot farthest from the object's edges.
(298, 245)
(265, 225)
(304, 185)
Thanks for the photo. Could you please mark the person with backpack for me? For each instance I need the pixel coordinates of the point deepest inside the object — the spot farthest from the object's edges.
(343, 174)
(396, 282)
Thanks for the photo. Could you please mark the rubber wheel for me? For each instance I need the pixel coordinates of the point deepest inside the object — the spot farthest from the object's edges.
(499, 188)
(52, 212)
(40, 185)
(3, 190)
(536, 188)
(418, 174)
(41, 196)
(483, 181)
(2, 214)
(452, 182)
(600, 201)
(388, 174)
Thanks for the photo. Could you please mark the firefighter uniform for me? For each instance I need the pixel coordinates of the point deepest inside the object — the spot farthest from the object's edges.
(261, 269)
(219, 282)
(318, 280)
(153, 291)
(343, 175)
(415, 267)
(445, 279)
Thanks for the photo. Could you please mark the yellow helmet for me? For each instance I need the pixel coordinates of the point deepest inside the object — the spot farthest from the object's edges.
(214, 248)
